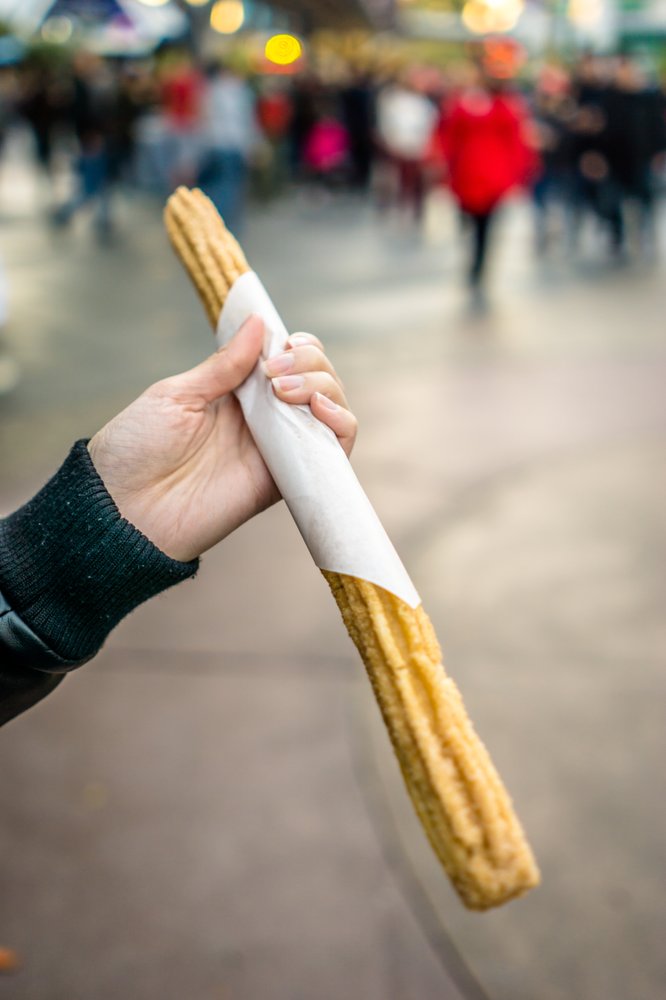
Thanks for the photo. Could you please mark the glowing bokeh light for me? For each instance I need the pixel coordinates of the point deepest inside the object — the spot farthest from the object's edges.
(585, 13)
(227, 16)
(57, 30)
(483, 17)
(283, 50)
(154, 3)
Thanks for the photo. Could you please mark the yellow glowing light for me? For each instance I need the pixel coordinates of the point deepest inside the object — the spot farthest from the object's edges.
(507, 16)
(227, 16)
(483, 17)
(197, 3)
(153, 3)
(585, 13)
(283, 50)
(476, 17)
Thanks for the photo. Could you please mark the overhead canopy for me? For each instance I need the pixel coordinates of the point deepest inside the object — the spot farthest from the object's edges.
(306, 13)
(129, 16)
(90, 10)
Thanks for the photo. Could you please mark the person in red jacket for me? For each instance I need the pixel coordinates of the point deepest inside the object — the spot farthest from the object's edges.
(482, 135)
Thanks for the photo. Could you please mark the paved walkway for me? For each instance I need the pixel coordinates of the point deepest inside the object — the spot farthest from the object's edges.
(210, 810)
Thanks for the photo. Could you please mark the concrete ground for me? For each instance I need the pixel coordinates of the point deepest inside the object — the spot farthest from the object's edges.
(210, 810)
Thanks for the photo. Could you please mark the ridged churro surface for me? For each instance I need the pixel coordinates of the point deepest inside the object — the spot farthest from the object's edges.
(456, 791)
(453, 784)
(210, 254)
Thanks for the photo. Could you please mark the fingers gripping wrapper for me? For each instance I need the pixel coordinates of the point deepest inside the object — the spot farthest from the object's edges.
(456, 791)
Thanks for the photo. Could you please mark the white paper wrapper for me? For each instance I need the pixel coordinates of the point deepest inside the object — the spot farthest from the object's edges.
(313, 474)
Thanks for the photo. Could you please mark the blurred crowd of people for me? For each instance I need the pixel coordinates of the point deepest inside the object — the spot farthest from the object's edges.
(601, 138)
(584, 140)
(587, 140)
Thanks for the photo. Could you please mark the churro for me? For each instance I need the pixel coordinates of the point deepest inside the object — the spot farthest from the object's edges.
(456, 791)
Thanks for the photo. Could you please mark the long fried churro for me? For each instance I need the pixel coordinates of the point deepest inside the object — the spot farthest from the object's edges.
(453, 784)
(456, 791)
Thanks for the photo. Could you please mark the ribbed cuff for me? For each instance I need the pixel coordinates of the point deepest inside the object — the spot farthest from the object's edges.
(71, 566)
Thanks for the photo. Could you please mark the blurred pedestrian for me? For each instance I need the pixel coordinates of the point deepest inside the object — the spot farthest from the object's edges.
(181, 93)
(359, 118)
(230, 136)
(8, 366)
(595, 186)
(483, 133)
(552, 111)
(635, 137)
(43, 99)
(274, 112)
(8, 101)
(90, 112)
(406, 119)
(9, 369)
(130, 102)
(303, 118)
(326, 150)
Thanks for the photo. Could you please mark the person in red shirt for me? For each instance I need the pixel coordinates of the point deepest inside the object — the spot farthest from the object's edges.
(274, 113)
(181, 93)
(483, 137)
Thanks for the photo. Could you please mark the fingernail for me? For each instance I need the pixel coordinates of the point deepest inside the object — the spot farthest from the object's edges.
(279, 364)
(289, 383)
(298, 338)
(325, 401)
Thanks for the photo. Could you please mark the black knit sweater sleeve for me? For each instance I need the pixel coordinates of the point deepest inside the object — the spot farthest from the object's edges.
(70, 568)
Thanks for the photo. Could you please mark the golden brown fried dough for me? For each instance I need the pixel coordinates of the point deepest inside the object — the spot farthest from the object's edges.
(455, 789)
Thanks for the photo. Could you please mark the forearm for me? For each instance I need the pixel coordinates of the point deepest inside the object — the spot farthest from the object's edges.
(71, 567)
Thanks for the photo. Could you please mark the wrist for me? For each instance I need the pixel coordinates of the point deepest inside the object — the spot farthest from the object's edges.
(72, 566)
(144, 509)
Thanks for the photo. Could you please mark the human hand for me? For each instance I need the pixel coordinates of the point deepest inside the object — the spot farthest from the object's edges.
(180, 462)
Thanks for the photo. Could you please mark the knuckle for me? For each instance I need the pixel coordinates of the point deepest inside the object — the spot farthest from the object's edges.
(165, 388)
(314, 358)
(233, 367)
(327, 380)
(309, 340)
(350, 426)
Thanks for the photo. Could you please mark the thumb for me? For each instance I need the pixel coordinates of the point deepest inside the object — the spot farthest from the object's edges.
(225, 370)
